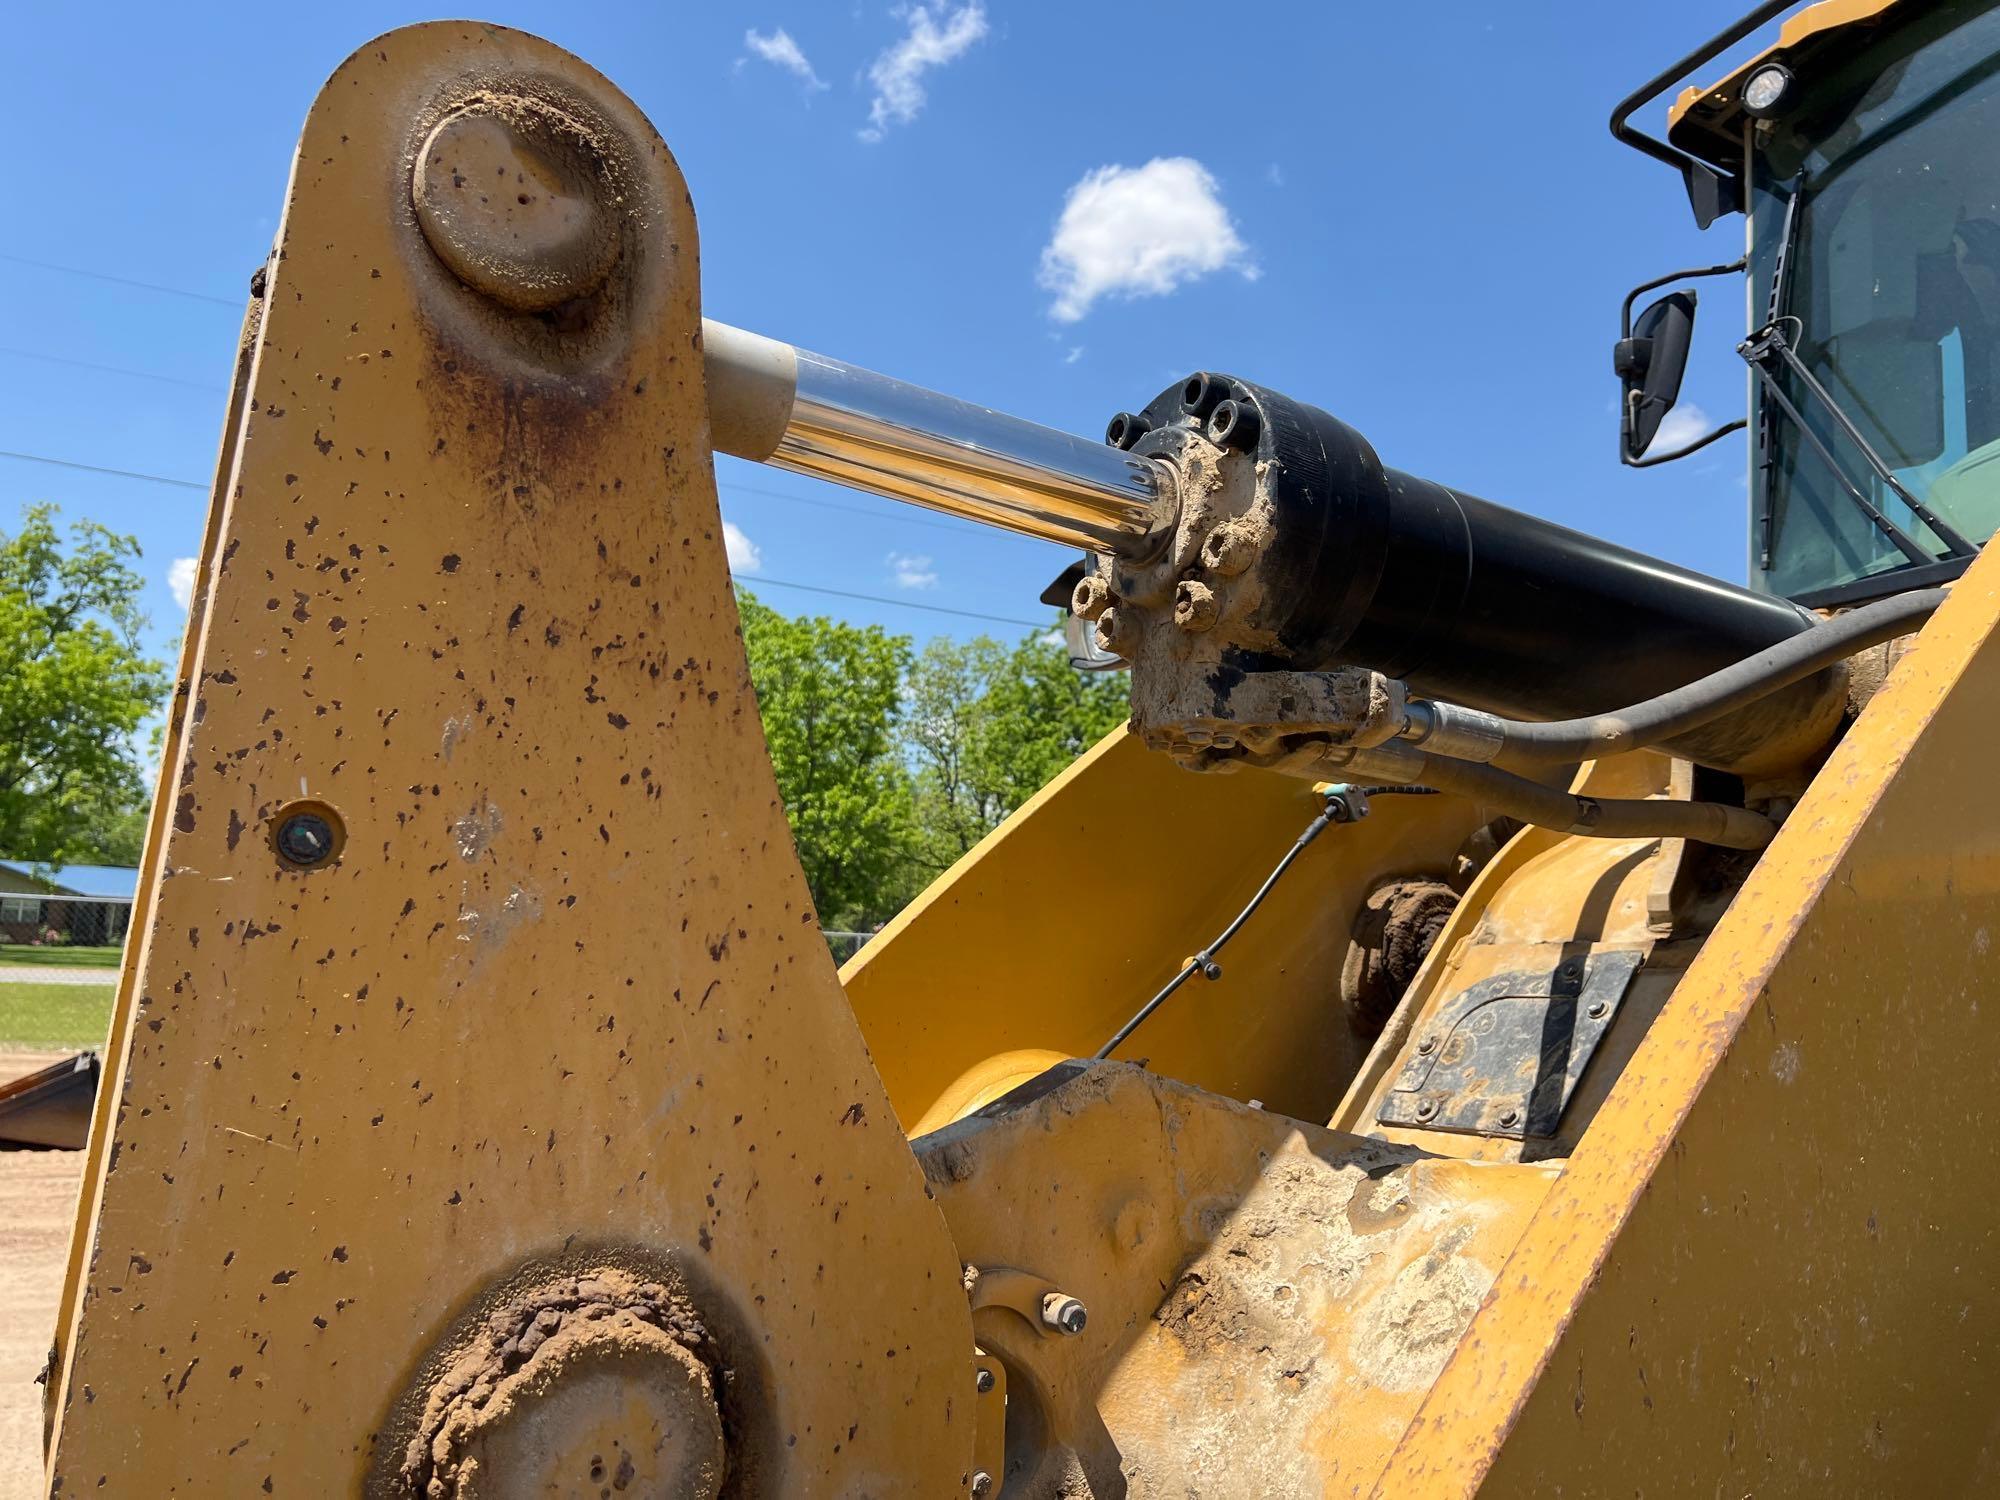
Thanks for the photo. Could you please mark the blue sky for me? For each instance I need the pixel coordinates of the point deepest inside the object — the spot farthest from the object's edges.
(1409, 215)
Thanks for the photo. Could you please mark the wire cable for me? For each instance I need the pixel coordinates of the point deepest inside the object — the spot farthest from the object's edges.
(144, 286)
(1203, 963)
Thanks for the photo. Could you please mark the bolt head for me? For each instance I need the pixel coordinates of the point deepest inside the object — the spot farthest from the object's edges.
(982, 1485)
(509, 193)
(1597, 1010)
(1510, 1119)
(1228, 550)
(983, 1382)
(1195, 605)
(1427, 1044)
(1090, 598)
(1064, 1313)
(1426, 1108)
(1112, 630)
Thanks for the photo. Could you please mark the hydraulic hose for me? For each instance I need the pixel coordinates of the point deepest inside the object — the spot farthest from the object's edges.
(1550, 807)
(1470, 735)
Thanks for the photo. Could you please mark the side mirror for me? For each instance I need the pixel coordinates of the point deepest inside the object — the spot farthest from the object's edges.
(1650, 361)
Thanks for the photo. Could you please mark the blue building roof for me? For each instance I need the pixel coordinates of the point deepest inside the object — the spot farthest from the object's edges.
(117, 882)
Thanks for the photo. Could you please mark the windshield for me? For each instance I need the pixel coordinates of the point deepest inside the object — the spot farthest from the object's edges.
(1891, 299)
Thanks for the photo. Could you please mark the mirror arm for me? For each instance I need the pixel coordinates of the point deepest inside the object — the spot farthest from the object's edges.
(1631, 297)
(1696, 446)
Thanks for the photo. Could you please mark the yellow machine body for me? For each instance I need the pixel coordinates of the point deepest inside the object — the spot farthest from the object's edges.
(530, 1144)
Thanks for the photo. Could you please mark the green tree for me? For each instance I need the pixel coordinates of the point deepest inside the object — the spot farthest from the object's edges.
(989, 726)
(74, 690)
(830, 695)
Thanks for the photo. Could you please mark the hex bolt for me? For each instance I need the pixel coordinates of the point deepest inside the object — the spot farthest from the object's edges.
(1597, 1010)
(982, 1485)
(1427, 1044)
(1091, 597)
(1064, 1313)
(511, 196)
(1228, 550)
(306, 837)
(1195, 605)
(1510, 1119)
(1426, 1108)
(983, 1382)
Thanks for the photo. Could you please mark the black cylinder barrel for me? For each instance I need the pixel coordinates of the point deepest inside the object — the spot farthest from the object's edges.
(1471, 602)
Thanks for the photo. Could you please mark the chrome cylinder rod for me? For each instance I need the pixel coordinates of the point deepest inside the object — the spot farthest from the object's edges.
(773, 403)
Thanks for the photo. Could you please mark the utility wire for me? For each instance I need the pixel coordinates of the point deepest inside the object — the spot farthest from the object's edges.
(84, 364)
(144, 286)
(758, 580)
(64, 463)
(934, 609)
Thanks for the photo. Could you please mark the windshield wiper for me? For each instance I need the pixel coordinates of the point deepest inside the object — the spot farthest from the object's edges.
(1767, 347)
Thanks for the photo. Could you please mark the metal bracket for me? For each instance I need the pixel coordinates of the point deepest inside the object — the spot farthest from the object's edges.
(1503, 1057)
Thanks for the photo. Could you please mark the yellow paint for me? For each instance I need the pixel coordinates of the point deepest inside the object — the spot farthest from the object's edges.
(1762, 1271)
(563, 991)
(1815, 20)
(1063, 922)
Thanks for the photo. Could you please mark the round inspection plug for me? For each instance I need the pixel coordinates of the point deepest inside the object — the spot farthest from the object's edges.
(306, 835)
(511, 196)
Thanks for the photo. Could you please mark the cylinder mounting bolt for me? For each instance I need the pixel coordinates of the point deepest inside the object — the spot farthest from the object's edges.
(1064, 1313)
(982, 1485)
(1114, 632)
(1510, 1119)
(1126, 429)
(1427, 1044)
(1090, 598)
(511, 196)
(1195, 605)
(1228, 550)
(1233, 424)
(1597, 1010)
(1426, 1108)
(983, 1382)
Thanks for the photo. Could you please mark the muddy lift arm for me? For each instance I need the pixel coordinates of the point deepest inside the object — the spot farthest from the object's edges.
(483, 1113)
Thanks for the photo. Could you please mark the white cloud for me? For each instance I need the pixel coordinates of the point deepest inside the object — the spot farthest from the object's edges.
(1075, 354)
(1053, 638)
(745, 556)
(779, 50)
(1139, 232)
(929, 43)
(912, 572)
(1682, 426)
(1275, 175)
(180, 579)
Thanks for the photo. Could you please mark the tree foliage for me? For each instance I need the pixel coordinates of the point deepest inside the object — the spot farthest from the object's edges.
(893, 763)
(74, 689)
(829, 693)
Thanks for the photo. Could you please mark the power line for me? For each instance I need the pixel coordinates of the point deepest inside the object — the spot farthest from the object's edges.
(84, 364)
(810, 588)
(758, 581)
(144, 286)
(64, 463)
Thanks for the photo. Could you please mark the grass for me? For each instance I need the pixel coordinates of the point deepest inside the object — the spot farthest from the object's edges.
(55, 1015)
(59, 958)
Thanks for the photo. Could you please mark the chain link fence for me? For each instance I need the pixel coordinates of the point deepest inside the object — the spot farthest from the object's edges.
(64, 921)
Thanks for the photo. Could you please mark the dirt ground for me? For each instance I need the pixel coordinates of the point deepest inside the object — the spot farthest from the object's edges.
(37, 1202)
